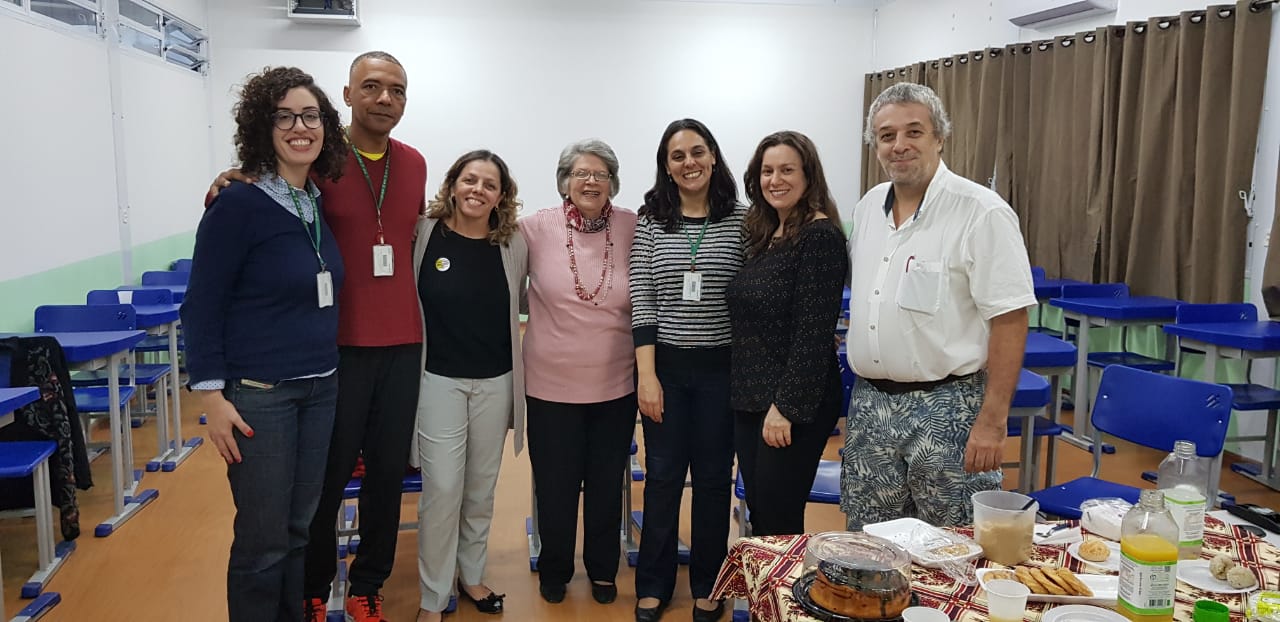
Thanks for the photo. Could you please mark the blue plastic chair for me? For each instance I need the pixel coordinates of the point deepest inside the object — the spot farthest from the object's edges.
(165, 277)
(1037, 273)
(180, 265)
(92, 397)
(1246, 397)
(1148, 409)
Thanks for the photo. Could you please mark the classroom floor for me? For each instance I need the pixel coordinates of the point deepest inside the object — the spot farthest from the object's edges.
(169, 561)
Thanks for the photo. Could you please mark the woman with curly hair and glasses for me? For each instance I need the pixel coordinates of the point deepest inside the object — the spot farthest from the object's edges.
(470, 261)
(261, 326)
(783, 307)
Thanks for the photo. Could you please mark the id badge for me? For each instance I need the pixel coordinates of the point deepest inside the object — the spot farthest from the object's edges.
(324, 288)
(383, 260)
(692, 286)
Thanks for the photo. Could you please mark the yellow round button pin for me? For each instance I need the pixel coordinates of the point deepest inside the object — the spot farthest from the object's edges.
(442, 264)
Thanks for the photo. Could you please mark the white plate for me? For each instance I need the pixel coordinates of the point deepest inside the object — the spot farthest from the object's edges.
(1111, 563)
(899, 532)
(1105, 588)
(1081, 613)
(1195, 572)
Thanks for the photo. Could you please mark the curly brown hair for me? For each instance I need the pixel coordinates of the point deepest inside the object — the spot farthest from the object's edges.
(502, 220)
(762, 219)
(258, 100)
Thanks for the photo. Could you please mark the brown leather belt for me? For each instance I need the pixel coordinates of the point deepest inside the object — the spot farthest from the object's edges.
(893, 387)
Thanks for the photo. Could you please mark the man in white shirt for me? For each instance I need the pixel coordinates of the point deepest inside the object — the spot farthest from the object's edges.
(941, 285)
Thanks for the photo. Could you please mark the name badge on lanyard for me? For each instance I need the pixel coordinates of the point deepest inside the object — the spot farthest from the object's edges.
(383, 260)
(383, 257)
(324, 288)
(692, 286)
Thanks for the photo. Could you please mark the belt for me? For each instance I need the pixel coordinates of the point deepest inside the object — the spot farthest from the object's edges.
(893, 387)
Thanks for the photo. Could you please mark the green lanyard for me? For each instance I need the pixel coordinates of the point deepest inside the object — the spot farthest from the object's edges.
(315, 224)
(694, 244)
(386, 172)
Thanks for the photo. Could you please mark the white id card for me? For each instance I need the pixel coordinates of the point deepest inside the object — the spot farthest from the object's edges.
(383, 260)
(693, 286)
(324, 288)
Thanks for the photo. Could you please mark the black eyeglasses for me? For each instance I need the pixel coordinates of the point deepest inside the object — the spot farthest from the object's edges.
(285, 120)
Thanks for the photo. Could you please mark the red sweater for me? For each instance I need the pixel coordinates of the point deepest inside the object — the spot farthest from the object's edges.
(377, 311)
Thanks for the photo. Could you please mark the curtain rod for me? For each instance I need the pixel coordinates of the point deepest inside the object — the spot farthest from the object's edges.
(1257, 4)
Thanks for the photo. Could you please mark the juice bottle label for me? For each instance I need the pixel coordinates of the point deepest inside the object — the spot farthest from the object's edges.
(1187, 508)
(1147, 587)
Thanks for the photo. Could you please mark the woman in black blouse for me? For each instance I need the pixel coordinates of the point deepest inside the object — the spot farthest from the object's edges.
(785, 387)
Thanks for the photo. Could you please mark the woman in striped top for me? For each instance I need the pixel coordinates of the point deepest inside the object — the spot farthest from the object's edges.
(688, 246)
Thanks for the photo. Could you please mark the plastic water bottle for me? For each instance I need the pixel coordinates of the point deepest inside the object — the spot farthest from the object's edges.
(1183, 479)
(1148, 560)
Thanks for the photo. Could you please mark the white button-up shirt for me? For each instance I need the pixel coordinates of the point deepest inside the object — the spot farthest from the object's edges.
(923, 294)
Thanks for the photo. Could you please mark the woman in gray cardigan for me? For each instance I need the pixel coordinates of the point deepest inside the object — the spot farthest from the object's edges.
(471, 262)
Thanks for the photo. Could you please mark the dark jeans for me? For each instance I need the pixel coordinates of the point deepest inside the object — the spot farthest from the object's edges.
(576, 447)
(377, 411)
(778, 479)
(275, 488)
(696, 437)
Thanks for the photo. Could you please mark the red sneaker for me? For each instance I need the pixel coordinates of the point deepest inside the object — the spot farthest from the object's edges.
(314, 610)
(364, 609)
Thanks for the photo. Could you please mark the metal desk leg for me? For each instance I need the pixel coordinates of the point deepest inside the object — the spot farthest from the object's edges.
(1055, 413)
(1215, 470)
(1080, 395)
(181, 448)
(120, 452)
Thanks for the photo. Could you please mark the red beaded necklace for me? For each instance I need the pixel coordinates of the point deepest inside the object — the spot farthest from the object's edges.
(606, 270)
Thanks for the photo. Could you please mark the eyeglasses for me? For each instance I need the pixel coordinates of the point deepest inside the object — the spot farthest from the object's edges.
(600, 176)
(285, 120)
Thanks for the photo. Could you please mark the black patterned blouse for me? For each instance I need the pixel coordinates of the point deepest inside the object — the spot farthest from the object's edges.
(783, 307)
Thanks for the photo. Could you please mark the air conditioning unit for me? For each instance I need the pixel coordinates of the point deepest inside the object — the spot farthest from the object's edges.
(325, 12)
(1036, 14)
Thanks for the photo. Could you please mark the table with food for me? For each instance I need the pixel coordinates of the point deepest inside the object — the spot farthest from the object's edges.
(1119, 563)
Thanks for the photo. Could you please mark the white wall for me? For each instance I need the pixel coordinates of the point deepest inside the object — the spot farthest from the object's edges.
(58, 157)
(525, 78)
(59, 160)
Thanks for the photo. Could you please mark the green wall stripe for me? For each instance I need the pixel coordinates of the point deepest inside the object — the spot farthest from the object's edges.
(68, 284)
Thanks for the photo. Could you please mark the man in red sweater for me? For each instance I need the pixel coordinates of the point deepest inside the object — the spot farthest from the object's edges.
(373, 211)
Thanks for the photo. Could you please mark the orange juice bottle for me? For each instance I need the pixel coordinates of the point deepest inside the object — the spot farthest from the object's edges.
(1148, 560)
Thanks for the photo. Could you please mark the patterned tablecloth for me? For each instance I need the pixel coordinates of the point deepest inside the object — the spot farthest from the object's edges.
(762, 570)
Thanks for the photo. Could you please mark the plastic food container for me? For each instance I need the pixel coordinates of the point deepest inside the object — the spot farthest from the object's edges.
(859, 575)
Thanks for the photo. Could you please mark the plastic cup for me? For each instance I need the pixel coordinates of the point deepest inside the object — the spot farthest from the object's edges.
(1006, 600)
(1003, 523)
(924, 614)
(125, 297)
(1210, 611)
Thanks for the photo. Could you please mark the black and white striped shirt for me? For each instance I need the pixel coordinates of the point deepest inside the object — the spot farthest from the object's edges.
(659, 261)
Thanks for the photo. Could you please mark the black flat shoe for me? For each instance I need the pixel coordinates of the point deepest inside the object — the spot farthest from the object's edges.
(708, 615)
(489, 604)
(650, 614)
(552, 593)
(604, 593)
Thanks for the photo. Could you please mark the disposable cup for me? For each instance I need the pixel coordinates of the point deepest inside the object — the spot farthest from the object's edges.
(1006, 600)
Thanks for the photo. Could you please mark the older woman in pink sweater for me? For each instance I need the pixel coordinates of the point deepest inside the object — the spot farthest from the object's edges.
(579, 362)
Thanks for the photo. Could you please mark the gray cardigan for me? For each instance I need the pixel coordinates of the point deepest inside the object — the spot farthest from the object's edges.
(515, 263)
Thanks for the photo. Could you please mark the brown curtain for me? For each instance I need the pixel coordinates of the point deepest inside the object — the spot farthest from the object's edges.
(1190, 101)
(1122, 150)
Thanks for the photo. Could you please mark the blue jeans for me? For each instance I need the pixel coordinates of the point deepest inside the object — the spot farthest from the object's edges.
(695, 436)
(276, 487)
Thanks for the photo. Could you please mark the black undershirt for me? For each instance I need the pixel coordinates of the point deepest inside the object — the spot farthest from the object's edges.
(466, 306)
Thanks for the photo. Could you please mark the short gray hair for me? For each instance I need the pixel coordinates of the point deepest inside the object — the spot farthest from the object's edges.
(909, 93)
(589, 146)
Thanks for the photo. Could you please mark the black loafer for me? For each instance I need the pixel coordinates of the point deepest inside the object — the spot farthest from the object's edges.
(650, 614)
(604, 593)
(708, 615)
(552, 593)
(489, 604)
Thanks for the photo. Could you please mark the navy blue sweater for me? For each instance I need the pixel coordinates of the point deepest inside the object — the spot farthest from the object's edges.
(251, 309)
